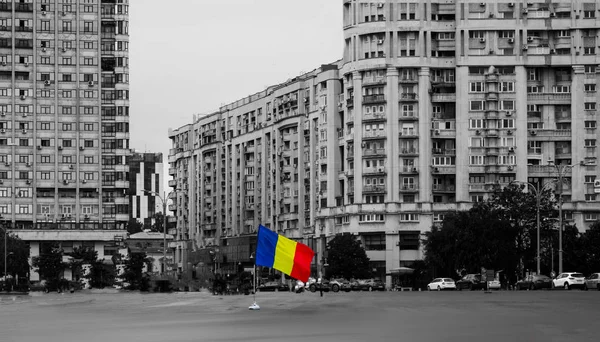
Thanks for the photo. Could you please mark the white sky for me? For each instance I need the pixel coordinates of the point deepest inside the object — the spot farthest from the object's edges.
(192, 56)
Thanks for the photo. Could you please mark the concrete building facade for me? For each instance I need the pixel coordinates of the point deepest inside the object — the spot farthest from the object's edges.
(434, 104)
(145, 181)
(64, 122)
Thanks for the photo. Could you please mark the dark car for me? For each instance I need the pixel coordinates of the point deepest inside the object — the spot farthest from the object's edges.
(273, 286)
(471, 282)
(534, 282)
(372, 285)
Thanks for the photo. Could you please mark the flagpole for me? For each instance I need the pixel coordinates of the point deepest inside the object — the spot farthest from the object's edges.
(254, 306)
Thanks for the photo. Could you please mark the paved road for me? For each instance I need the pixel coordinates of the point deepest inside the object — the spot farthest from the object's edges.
(384, 316)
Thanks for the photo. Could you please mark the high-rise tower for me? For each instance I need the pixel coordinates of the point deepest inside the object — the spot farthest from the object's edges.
(64, 122)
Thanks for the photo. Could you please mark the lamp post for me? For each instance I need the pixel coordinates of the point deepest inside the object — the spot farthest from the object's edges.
(561, 170)
(164, 223)
(538, 196)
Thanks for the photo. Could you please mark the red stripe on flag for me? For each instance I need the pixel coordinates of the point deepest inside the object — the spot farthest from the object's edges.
(302, 261)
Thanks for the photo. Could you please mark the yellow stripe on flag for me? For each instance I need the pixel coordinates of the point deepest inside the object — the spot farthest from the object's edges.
(284, 254)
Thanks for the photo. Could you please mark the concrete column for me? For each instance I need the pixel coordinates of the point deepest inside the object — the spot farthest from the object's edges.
(424, 132)
(358, 129)
(577, 139)
(462, 141)
(520, 116)
(392, 166)
(333, 120)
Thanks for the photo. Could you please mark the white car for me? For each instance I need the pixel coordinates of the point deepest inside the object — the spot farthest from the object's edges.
(441, 284)
(494, 284)
(569, 280)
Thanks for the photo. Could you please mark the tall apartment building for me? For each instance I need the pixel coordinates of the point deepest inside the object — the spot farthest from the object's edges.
(145, 182)
(434, 104)
(64, 122)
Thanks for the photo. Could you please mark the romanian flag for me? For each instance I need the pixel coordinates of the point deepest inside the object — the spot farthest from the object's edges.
(278, 252)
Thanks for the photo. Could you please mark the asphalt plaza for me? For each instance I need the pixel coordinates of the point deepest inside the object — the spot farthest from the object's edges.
(355, 316)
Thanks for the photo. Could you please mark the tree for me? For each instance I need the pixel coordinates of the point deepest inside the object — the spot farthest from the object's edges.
(17, 263)
(99, 275)
(49, 263)
(133, 273)
(134, 226)
(347, 258)
(590, 241)
(518, 204)
(469, 240)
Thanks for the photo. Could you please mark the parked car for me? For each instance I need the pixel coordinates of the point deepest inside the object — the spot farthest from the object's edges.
(318, 285)
(494, 284)
(471, 282)
(441, 284)
(592, 282)
(273, 286)
(340, 284)
(299, 287)
(569, 280)
(356, 284)
(534, 282)
(372, 285)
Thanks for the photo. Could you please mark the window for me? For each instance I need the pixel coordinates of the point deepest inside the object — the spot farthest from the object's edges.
(476, 123)
(476, 105)
(67, 94)
(88, 160)
(589, 106)
(45, 60)
(23, 142)
(88, 26)
(88, 143)
(409, 217)
(590, 179)
(45, 126)
(374, 242)
(507, 87)
(45, 25)
(66, 143)
(67, 110)
(66, 127)
(67, 26)
(88, 126)
(477, 198)
(45, 159)
(45, 175)
(589, 50)
(590, 88)
(477, 87)
(409, 240)
(590, 143)
(590, 124)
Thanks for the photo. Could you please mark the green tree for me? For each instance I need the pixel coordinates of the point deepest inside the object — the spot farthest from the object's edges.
(133, 274)
(49, 264)
(347, 258)
(17, 263)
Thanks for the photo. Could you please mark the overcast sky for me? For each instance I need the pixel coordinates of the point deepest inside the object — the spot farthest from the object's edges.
(192, 56)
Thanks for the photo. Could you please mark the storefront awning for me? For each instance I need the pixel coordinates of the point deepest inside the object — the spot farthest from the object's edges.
(401, 271)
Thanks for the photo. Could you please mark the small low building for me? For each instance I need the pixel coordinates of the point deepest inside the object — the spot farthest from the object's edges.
(153, 244)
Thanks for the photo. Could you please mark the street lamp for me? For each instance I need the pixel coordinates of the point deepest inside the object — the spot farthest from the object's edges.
(164, 205)
(254, 306)
(561, 171)
(538, 196)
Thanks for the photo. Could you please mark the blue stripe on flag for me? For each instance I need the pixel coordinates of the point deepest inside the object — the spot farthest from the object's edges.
(265, 246)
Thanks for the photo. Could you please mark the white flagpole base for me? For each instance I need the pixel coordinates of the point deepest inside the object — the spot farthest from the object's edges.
(254, 306)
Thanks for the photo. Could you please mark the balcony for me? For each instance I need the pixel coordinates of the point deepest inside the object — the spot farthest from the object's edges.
(408, 97)
(374, 134)
(409, 188)
(437, 97)
(373, 188)
(374, 80)
(374, 117)
(408, 150)
(444, 151)
(369, 99)
(373, 151)
(443, 188)
(550, 98)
